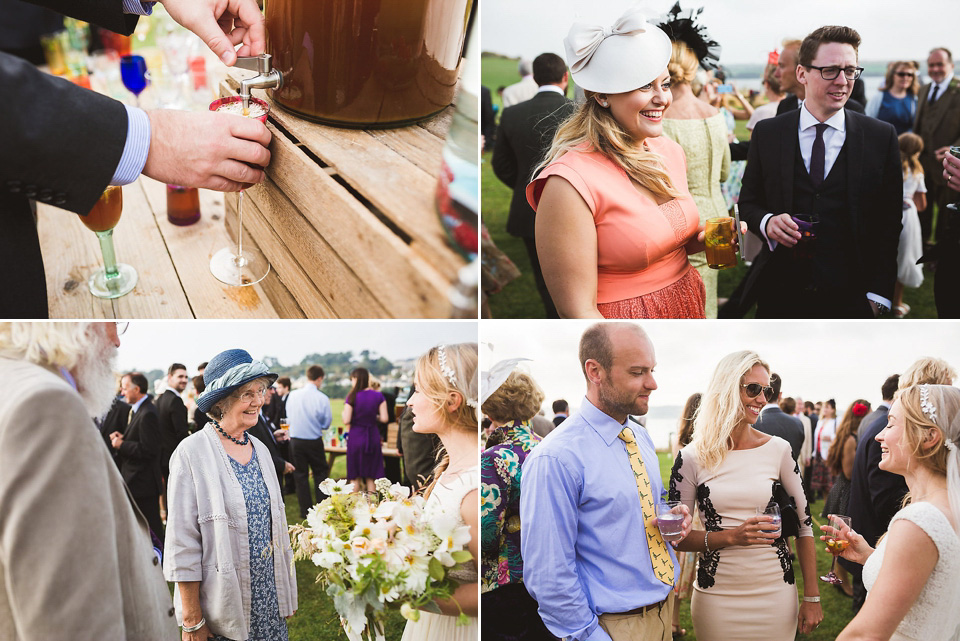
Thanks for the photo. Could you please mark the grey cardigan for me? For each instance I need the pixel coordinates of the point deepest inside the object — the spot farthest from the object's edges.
(206, 537)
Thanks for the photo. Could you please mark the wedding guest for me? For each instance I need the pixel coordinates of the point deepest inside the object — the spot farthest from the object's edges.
(172, 417)
(561, 410)
(308, 410)
(773, 93)
(896, 102)
(730, 471)
(510, 407)
(446, 404)
(418, 451)
(911, 575)
(947, 277)
(199, 418)
(76, 557)
(593, 557)
(822, 438)
(928, 370)
(615, 220)
(687, 560)
(227, 547)
(361, 411)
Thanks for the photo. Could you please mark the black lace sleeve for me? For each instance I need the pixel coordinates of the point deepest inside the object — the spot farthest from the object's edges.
(707, 567)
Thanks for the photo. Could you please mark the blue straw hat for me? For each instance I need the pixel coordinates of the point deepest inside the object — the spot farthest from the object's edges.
(227, 372)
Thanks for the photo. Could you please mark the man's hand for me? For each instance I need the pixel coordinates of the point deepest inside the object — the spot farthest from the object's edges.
(116, 440)
(207, 149)
(288, 468)
(874, 308)
(281, 435)
(222, 24)
(783, 230)
(951, 171)
(942, 153)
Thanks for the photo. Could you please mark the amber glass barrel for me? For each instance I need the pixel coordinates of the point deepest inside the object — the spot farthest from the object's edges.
(366, 63)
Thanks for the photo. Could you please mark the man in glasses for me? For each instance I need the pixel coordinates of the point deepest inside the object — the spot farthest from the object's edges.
(787, 74)
(838, 174)
(775, 421)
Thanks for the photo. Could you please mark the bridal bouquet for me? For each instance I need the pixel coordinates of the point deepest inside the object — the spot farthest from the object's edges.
(377, 549)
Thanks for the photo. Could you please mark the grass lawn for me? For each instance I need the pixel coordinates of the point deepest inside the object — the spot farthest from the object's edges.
(520, 299)
(836, 606)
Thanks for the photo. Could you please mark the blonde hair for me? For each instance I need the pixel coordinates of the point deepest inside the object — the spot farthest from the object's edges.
(931, 370)
(917, 424)
(50, 345)
(436, 385)
(519, 398)
(721, 409)
(594, 126)
(683, 64)
(892, 69)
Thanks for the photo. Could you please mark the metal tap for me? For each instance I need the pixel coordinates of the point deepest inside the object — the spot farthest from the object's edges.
(268, 76)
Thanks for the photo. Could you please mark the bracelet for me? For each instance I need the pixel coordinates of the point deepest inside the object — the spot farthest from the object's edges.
(203, 622)
(811, 599)
(706, 543)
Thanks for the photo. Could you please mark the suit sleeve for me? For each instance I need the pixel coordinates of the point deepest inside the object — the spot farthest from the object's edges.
(504, 161)
(886, 219)
(147, 447)
(104, 13)
(886, 490)
(54, 481)
(752, 204)
(178, 416)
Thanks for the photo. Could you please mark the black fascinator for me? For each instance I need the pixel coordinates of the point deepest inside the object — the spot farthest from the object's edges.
(682, 26)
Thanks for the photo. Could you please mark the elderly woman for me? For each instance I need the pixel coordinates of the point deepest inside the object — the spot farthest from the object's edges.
(911, 576)
(745, 587)
(615, 220)
(227, 547)
(510, 407)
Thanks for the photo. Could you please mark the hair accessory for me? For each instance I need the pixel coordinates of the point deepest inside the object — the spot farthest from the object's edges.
(620, 58)
(681, 26)
(860, 410)
(951, 445)
(928, 408)
(492, 379)
(451, 375)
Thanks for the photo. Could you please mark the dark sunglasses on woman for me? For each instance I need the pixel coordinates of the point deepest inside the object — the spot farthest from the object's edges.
(753, 389)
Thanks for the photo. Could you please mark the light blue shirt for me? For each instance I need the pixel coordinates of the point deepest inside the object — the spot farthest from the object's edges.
(308, 412)
(136, 406)
(583, 545)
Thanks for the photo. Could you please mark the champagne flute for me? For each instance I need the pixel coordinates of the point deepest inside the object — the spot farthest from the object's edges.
(670, 520)
(836, 545)
(240, 266)
(115, 279)
(133, 72)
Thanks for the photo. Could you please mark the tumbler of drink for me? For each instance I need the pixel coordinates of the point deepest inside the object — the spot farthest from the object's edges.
(806, 246)
(115, 279)
(183, 205)
(718, 236)
(773, 511)
(670, 520)
(55, 46)
(284, 424)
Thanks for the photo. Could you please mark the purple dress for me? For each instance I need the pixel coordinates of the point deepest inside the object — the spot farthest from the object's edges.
(364, 452)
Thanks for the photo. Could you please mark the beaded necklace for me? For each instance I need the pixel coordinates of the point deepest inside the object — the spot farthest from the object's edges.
(246, 437)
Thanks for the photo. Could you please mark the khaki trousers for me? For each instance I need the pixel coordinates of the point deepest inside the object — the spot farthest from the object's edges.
(656, 624)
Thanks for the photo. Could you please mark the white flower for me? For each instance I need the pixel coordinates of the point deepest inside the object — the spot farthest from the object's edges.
(387, 594)
(385, 510)
(382, 485)
(331, 487)
(418, 571)
(399, 491)
(326, 559)
(409, 612)
(453, 537)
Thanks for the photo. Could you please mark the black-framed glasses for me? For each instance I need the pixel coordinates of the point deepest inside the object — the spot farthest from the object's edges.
(122, 327)
(831, 73)
(754, 389)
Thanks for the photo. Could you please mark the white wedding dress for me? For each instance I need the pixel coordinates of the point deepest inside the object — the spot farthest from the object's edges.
(448, 494)
(936, 613)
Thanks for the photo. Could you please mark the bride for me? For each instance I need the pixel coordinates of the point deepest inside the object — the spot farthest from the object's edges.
(911, 576)
(445, 404)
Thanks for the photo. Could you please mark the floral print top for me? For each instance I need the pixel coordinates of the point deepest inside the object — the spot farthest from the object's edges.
(500, 468)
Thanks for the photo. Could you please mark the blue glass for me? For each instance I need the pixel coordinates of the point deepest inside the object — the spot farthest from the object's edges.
(133, 72)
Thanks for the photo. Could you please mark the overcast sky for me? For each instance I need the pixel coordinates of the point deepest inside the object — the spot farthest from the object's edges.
(817, 360)
(746, 29)
(151, 345)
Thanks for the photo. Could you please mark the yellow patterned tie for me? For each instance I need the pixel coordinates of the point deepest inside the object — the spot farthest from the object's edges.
(659, 554)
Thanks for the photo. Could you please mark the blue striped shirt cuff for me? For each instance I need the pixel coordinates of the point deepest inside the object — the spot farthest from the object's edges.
(137, 7)
(135, 149)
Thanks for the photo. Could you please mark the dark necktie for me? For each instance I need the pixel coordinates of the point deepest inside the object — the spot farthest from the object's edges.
(817, 158)
(933, 95)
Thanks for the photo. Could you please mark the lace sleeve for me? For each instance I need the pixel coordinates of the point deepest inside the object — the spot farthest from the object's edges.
(683, 479)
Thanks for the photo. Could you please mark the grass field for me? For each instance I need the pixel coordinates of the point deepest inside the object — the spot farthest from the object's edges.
(520, 299)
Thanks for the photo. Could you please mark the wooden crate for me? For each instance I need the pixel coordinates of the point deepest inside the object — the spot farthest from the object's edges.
(347, 219)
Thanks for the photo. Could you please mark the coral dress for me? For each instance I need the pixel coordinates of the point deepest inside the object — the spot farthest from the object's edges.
(747, 592)
(642, 265)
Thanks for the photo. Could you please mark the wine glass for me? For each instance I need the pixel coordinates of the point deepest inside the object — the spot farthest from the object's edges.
(133, 72)
(240, 266)
(115, 279)
(670, 520)
(836, 545)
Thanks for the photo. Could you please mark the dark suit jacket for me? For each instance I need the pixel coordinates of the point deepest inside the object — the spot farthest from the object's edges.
(776, 422)
(276, 409)
(939, 128)
(173, 424)
(875, 193)
(792, 103)
(875, 495)
(264, 433)
(525, 134)
(60, 145)
(114, 421)
(139, 455)
(879, 414)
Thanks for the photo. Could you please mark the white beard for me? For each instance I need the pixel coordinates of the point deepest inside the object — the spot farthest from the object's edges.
(95, 376)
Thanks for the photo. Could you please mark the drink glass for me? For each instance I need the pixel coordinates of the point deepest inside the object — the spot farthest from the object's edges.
(806, 246)
(240, 266)
(670, 520)
(836, 545)
(773, 511)
(133, 72)
(115, 279)
(284, 424)
(55, 45)
(718, 236)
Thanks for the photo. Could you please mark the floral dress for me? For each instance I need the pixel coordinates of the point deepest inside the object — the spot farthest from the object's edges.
(265, 621)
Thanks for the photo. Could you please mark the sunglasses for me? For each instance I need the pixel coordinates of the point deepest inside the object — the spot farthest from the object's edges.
(905, 74)
(754, 389)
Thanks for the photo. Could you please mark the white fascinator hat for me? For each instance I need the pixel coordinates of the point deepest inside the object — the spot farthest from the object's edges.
(624, 57)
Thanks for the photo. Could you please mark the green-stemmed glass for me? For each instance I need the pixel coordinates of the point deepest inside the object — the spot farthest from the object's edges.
(115, 279)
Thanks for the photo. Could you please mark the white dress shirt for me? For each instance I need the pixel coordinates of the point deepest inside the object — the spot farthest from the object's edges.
(943, 87)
